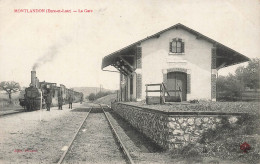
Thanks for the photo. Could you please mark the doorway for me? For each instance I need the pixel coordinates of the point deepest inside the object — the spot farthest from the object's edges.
(177, 81)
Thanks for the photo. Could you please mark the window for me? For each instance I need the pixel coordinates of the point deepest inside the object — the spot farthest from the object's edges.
(177, 46)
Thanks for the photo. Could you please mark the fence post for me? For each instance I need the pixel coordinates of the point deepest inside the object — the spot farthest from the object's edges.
(180, 93)
(161, 94)
(146, 96)
(117, 98)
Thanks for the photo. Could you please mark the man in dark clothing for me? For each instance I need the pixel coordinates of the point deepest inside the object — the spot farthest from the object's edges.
(81, 98)
(48, 101)
(70, 101)
(60, 101)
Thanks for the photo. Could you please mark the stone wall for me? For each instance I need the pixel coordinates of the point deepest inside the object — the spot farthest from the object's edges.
(188, 129)
(172, 130)
(152, 124)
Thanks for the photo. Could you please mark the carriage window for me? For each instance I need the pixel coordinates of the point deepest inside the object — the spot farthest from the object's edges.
(176, 46)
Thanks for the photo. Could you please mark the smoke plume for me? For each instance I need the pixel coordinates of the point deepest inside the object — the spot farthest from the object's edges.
(52, 52)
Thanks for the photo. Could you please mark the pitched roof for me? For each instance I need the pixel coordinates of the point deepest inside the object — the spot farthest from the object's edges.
(176, 26)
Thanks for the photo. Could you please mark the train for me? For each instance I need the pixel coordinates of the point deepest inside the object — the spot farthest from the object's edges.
(36, 93)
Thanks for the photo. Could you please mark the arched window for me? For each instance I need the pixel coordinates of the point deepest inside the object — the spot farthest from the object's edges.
(177, 46)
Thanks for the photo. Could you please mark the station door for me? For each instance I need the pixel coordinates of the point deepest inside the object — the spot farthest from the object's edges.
(176, 81)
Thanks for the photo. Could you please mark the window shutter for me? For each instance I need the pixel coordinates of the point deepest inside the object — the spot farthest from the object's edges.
(182, 47)
(170, 47)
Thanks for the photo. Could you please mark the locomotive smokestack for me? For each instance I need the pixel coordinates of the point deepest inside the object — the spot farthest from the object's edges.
(33, 78)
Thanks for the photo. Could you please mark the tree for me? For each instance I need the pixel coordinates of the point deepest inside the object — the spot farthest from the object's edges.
(10, 87)
(250, 75)
(229, 87)
(92, 97)
(102, 94)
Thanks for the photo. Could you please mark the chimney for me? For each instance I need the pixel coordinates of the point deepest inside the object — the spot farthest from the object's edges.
(33, 78)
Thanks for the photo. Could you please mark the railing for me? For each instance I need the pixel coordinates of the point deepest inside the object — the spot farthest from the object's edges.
(162, 92)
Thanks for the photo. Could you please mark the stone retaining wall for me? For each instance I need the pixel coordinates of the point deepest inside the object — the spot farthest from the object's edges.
(152, 124)
(172, 130)
(188, 129)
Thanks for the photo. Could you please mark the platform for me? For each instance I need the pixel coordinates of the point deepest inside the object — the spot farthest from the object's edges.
(176, 125)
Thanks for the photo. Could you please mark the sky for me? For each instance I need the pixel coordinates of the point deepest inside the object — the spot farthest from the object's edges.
(67, 48)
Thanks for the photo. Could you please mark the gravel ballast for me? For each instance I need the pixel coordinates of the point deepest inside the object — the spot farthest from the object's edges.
(95, 143)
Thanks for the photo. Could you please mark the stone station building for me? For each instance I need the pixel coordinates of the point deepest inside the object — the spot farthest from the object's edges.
(185, 64)
(185, 61)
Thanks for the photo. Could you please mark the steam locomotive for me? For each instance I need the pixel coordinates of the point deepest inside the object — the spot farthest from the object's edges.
(35, 95)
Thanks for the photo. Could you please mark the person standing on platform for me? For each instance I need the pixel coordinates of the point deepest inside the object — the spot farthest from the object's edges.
(81, 99)
(70, 101)
(48, 101)
(60, 102)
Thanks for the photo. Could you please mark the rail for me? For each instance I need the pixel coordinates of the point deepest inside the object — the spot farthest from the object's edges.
(121, 144)
(11, 113)
(64, 154)
(162, 92)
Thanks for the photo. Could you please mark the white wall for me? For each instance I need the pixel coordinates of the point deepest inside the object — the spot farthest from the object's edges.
(197, 59)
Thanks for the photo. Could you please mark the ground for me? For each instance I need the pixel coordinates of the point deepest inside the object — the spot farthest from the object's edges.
(42, 137)
(106, 99)
(37, 136)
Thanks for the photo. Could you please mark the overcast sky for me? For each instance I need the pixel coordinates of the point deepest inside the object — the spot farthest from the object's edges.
(73, 44)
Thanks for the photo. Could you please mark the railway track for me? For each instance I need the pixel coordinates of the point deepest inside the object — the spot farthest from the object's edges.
(96, 141)
(11, 113)
(121, 144)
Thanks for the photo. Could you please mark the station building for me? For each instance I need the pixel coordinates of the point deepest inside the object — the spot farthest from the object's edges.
(183, 61)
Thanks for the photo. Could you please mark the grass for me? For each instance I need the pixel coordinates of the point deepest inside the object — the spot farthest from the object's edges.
(4, 101)
(106, 99)
(224, 142)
